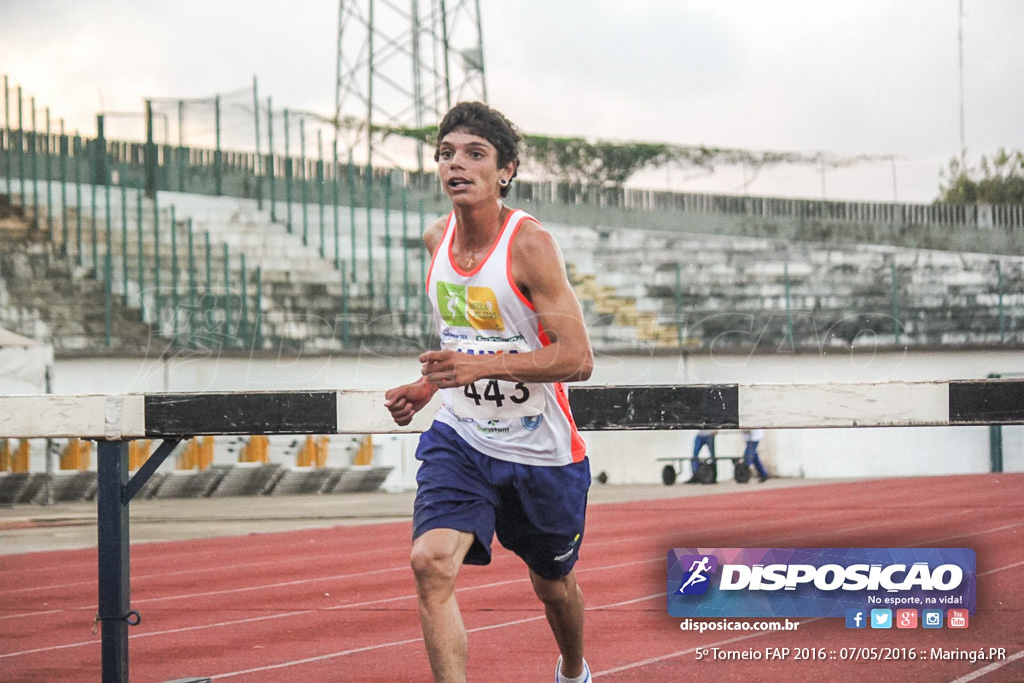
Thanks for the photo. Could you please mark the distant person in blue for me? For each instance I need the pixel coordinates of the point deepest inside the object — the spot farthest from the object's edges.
(705, 437)
(750, 456)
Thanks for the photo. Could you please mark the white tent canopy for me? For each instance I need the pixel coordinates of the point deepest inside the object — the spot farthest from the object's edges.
(24, 364)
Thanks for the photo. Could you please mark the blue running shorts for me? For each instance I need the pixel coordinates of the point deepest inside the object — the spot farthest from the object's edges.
(537, 512)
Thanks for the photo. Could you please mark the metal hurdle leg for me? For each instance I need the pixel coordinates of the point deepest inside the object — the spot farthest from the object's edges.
(114, 558)
(114, 492)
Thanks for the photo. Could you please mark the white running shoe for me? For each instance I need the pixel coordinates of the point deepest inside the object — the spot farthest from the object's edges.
(559, 678)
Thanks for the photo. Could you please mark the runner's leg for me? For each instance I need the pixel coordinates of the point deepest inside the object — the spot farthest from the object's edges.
(436, 559)
(563, 607)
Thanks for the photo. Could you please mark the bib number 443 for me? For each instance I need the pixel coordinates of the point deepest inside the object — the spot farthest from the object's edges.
(495, 399)
(493, 393)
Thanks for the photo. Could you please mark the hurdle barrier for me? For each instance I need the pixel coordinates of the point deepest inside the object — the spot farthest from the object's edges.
(116, 420)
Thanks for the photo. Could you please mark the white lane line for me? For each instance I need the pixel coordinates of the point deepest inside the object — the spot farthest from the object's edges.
(390, 599)
(991, 668)
(295, 613)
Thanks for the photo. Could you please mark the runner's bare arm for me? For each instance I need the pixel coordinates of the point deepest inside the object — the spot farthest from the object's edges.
(405, 401)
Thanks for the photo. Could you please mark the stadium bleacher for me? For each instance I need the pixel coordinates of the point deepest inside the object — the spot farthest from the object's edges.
(107, 270)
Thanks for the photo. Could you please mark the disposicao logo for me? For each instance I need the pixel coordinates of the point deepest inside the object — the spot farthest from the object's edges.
(821, 582)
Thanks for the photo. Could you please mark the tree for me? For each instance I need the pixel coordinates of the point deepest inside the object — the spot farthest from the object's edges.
(999, 180)
(601, 163)
(610, 164)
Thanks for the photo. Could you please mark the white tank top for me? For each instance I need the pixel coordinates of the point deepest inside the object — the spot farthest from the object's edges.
(483, 311)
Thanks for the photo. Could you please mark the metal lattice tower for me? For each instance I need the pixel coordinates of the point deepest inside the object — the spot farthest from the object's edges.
(403, 63)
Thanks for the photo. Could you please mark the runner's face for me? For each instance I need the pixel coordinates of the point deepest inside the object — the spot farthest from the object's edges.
(468, 167)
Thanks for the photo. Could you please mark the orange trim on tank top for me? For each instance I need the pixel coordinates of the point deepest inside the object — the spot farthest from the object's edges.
(508, 267)
(579, 447)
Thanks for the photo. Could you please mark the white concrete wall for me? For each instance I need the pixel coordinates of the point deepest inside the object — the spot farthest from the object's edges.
(627, 457)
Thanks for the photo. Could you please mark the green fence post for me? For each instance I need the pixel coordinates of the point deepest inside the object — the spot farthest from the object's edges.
(140, 265)
(174, 273)
(302, 180)
(270, 160)
(156, 254)
(895, 302)
(387, 241)
(149, 153)
(20, 147)
(8, 142)
(124, 237)
(243, 315)
(49, 184)
(63, 193)
(789, 312)
(191, 283)
(208, 296)
(107, 301)
(334, 190)
(95, 236)
(369, 233)
(405, 253)
(352, 212)
(79, 166)
(101, 175)
(288, 172)
(258, 325)
(999, 287)
(679, 304)
(424, 320)
(138, 233)
(257, 167)
(183, 160)
(320, 188)
(34, 156)
(344, 308)
(226, 257)
(109, 232)
(218, 171)
(5, 149)
(164, 172)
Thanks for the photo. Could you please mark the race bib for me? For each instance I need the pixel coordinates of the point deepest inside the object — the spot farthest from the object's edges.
(495, 399)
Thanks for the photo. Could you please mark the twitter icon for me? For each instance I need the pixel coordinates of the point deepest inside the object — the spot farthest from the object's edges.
(881, 618)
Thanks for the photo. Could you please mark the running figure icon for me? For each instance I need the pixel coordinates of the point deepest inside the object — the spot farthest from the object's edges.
(697, 573)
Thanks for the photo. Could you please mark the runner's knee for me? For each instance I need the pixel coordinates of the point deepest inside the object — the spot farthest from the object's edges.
(557, 591)
(430, 564)
(435, 564)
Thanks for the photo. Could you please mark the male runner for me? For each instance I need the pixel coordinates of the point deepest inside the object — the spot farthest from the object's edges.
(503, 454)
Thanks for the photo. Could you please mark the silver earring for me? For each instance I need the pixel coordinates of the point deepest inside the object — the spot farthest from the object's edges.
(503, 182)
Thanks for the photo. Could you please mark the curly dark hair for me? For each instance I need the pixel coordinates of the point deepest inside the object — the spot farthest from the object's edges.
(477, 118)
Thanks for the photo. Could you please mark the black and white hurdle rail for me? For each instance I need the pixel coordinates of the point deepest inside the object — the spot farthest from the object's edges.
(114, 420)
(120, 417)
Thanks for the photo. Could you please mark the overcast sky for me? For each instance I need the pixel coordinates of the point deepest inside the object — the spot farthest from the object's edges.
(845, 77)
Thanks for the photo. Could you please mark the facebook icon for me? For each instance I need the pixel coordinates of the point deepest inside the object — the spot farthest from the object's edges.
(856, 618)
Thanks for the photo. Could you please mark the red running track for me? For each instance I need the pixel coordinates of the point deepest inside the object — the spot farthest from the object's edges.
(339, 604)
